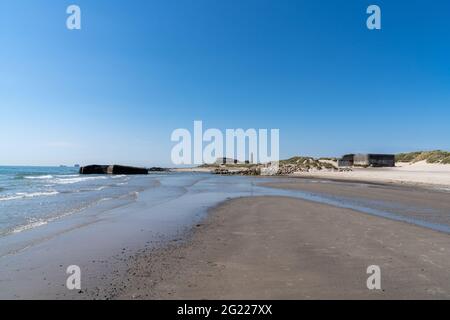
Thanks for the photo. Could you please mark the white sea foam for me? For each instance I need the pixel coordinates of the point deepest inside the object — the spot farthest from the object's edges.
(75, 180)
(7, 198)
(119, 176)
(99, 188)
(31, 225)
(39, 177)
(34, 222)
(37, 194)
(23, 195)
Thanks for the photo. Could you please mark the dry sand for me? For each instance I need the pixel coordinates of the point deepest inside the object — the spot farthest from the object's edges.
(420, 173)
(284, 248)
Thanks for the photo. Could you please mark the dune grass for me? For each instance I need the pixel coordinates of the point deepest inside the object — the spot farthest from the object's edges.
(436, 156)
(307, 162)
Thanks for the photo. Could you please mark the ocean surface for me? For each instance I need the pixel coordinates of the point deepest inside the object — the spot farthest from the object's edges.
(34, 196)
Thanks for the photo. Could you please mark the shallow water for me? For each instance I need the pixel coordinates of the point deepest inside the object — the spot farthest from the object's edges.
(34, 196)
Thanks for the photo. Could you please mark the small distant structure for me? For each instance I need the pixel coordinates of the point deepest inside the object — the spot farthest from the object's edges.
(226, 161)
(346, 160)
(367, 160)
(76, 165)
(374, 160)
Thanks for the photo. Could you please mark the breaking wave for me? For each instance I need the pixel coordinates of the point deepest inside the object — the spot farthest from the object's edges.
(38, 177)
(76, 179)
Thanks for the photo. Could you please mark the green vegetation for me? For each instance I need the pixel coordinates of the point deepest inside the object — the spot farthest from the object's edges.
(228, 165)
(437, 156)
(294, 164)
(307, 163)
(328, 159)
(297, 160)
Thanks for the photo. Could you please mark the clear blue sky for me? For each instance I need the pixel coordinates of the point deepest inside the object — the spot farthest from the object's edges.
(114, 91)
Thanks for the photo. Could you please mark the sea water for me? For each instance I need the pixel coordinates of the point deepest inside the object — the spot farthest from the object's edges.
(34, 196)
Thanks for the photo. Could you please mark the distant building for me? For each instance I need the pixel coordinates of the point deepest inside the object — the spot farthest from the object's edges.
(346, 160)
(374, 160)
(226, 161)
(367, 160)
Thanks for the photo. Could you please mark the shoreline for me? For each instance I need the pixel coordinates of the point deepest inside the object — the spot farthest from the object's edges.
(242, 250)
(383, 183)
(420, 174)
(121, 247)
(366, 180)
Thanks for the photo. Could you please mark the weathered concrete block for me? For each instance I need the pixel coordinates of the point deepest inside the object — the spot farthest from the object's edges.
(93, 169)
(117, 169)
(114, 169)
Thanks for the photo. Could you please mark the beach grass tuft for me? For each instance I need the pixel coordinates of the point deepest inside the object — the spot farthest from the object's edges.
(436, 156)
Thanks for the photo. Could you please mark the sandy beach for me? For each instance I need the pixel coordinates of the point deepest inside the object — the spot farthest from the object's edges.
(412, 174)
(421, 174)
(204, 236)
(285, 248)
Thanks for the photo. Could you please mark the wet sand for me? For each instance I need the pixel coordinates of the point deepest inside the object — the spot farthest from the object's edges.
(412, 196)
(284, 248)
